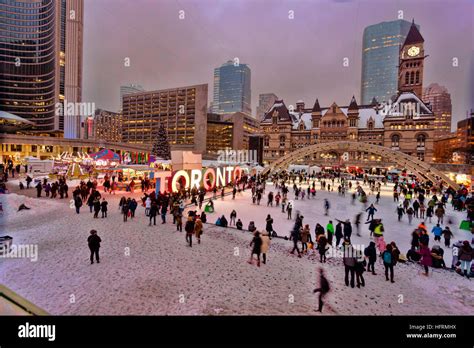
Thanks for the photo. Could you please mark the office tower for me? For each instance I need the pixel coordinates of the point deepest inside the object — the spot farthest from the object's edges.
(380, 60)
(41, 62)
(182, 110)
(232, 92)
(129, 89)
(440, 101)
(265, 102)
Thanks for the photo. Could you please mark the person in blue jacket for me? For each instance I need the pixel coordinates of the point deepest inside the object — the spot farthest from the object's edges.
(437, 231)
(371, 210)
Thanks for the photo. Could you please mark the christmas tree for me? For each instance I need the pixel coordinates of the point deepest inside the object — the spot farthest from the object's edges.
(161, 147)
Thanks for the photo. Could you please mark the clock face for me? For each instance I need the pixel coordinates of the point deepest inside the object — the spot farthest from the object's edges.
(413, 51)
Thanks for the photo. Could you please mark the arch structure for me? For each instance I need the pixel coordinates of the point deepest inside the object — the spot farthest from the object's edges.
(411, 163)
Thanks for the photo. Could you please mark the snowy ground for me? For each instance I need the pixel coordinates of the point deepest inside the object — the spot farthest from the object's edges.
(150, 270)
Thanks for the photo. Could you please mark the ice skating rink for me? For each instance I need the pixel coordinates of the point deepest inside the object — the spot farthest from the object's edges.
(151, 271)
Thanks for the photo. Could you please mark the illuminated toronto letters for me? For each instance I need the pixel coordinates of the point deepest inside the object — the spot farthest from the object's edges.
(207, 178)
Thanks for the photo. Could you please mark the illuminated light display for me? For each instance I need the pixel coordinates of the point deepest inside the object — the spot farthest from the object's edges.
(207, 178)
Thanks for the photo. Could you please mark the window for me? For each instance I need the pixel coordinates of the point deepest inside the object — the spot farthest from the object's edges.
(421, 156)
(395, 140)
(370, 125)
(407, 78)
(420, 140)
(282, 141)
(417, 77)
(266, 141)
(412, 78)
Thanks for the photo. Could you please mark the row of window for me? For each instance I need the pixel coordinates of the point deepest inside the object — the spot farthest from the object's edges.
(412, 78)
(420, 140)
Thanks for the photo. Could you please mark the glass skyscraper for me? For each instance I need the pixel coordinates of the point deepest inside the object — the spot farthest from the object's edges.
(380, 59)
(41, 61)
(232, 89)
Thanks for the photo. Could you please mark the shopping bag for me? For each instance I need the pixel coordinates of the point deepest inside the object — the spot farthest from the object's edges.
(310, 245)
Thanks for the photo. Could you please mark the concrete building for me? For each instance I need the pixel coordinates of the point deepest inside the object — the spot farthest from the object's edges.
(220, 134)
(47, 67)
(232, 89)
(107, 126)
(458, 146)
(439, 101)
(229, 132)
(380, 59)
(129, 89)
(182, 111)
(265, 102)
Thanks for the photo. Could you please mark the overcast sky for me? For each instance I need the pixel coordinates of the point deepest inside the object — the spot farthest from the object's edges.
(300, 58)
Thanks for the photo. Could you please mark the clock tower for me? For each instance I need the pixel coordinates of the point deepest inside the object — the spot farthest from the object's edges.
(410, 69)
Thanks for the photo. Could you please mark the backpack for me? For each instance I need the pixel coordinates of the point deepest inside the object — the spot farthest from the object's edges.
(387, 257)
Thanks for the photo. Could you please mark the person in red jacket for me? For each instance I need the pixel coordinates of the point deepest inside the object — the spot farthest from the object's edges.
(426, 258)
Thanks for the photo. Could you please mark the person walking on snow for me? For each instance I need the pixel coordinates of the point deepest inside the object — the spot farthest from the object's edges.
(256, 245)
(265, 246)
(198, 227)
(189, 228)
(371, 253)
(94, 245)
(323, 289)
(388, 262)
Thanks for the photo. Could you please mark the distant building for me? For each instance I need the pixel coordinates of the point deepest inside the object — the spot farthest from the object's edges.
(380, 59)
(458, 146)
(265, 101)
(182, 111)
(107, 126)
(220, 134)
(229, 131)
(129, 89)
(465, 140)
(440, 102)
(232, 89)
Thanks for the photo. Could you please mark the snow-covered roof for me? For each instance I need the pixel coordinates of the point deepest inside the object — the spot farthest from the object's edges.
(364, 116)
(395, 110)
(299, 118)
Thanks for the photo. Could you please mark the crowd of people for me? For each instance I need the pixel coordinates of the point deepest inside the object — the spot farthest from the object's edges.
(419, 201)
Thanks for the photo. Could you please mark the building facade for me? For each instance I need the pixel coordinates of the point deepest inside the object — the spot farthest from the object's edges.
(220, 134)
(403, 124)
(380, 59)
(107, 126)
(182, 111)
(129, 89)
(232, 89)
(439, 101)
(265, 102)
(230, 132)
(41, 61)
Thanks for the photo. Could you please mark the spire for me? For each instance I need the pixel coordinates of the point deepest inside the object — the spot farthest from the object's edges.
(316, 107)
(374, 102)
(353, 104)
(413, 35)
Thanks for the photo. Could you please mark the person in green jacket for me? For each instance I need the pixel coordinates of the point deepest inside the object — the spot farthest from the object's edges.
(330, 229)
